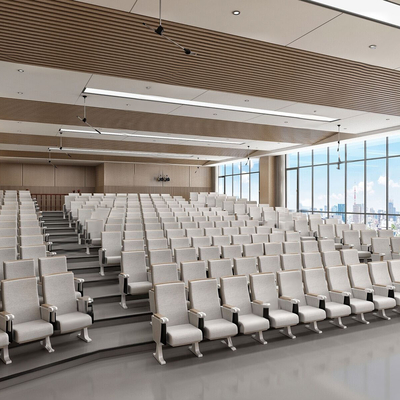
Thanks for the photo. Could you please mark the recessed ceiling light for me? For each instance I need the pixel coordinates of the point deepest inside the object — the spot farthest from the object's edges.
(215, 114)
(148, 87)
(20, 70)
(373, 46)
(195, 103)
(236, 12)
(20, 92)
(246, 100)
(140, 135)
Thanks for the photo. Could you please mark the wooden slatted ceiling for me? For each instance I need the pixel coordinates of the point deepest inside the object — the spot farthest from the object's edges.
(83, 37)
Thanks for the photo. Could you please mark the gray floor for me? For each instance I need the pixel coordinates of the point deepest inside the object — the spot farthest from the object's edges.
(362, 362)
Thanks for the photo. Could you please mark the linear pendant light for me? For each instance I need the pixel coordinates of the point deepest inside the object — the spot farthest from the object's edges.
(152, 136)
(194, 103)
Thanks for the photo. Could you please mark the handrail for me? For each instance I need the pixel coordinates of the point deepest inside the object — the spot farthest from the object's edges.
(50, 201)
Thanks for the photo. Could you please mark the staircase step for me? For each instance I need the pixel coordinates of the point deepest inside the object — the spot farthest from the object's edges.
(114, 311)
(108, 293)
(92, 277)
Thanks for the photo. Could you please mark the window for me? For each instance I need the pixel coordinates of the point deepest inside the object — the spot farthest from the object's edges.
(364, 188)
(240, 179)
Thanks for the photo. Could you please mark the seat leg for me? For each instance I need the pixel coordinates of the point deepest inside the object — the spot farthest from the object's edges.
(397, 310)
(287, 331)
(123, 301)
(195, 349)
(87, 250)
(382, 314)
(259, 337)
(101, 269)
(229, 343)
(5, 357)
(158, 355)
(360, 318)
(47, 344)
(313, 327)
(84, 335)
(338, 322)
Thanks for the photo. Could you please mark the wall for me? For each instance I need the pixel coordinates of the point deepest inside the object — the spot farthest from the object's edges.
(142, 178)
(268, 181)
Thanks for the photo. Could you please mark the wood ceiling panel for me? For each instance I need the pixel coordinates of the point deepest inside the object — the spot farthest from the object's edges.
(83, 37)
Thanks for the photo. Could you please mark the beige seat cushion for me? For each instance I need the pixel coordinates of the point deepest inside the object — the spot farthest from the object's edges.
(72, 322)
(219, 328)
(180, 335)
(250, 323)
(139, 287)
(32, 330)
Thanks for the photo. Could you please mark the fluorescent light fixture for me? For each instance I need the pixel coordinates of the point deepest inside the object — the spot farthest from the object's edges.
(194, 103)
(151, 136)
(386, 12)
(120, 152)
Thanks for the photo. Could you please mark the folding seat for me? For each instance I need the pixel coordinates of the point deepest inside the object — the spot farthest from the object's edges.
(245, 266)
(34, 253)
(309, 246)
(326, 232)
(110, 253)
(380, 277)
(55, 265)
(312, 260)
(381, 249)
(23, 319)
(291, 247)
(219, 268)
(228, 218)
(310, 309)
(192, 270)
(189, 225)
(292, 236)
(326, 245)
(184, 219)
(152, 226)
(212, 231)
(19, 269)
(247, 230)
(263, 290)
(339, 229)
(202, 241)
(4, 218)
(133, 235)
(230, 231)
(239, 209)
(179, 243)
(263, 230)
(383, 233)
(332, 221)
(93, 229)
(255, 213)
(394, 270)
(366, 237)
(25, 223)
(8, 241)
(237, 224)
(277, 237)
(221, 224)
(291, 262)
(134, 278)
(194, 232)
(29, 231)
(361, 281)
(269, 264)
(209, 253)
(157, 244)
(7, 232)
(395, 246)
(185, 254)
(172, 323)
(133, 245)
(253, 250)
(349, 257)
(252, 316)
(358, 227)
(134, 227)
(252, 223)
(201, 218)
(273, 249)
(220, 241)
(331, 258)
(228, 206)
(215, 218)
(314, 222)
(335, 304)
(231, 252)
(241, 239)
(351, 239)
(114, 227)
(259, 237)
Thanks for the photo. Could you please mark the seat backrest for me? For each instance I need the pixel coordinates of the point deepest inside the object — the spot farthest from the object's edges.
(291, 285)
(52, 265)
(161, 273)
(263, 288)
(162, 256)
(232, 251)
(349, 256)
(309, 246)
(326, 231)
(367, 235)
(230, 231)
(237, 224)
(185, 254)
(20, 298)
(326, 245)
(245, 266)
(331, 258)
(133, 245)
(209, 253)
(196, 232)
(179, 243)
(291, 261)
(213, 231)
(170, 302)
(19, 269)
(31, 240)
(220, 240)
(273, 249)
(359, 276)
(9, 241)
(394, 269)
(253, 250)
(219, 268)
(263, 230)
(221, 224)
(291, 247)
(270, 264)
(7, 232)
(234, 291)
(358, 227)
(379, 273)
(340, 228)
(112, 243)
(395, 244)
(259, 237)
(382, 233)
(277, 237)
(133, 235)
(59, 291)
(134, 227)
(133, 263)
(94, 227)
(157, 244)
(7, 254)
(203, 296)
(332, 221)
(315, 281)
(201, 241)
(312, 260)
(301, 225)
(155, 234)
(381, 245)
(352, 237)
(338, 278)
(191, 270)
(292, 236)
(27, 231)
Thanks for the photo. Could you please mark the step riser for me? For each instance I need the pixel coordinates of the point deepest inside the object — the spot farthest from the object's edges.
(121, 320)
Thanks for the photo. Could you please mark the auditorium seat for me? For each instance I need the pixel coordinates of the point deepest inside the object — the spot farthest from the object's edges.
(110, 253)
(351, 239)
(162, 256)
(291, 262)
(312, 260)
(219, 268)
(291, 247)
(185, 254)
(245, 266)
(133, 245)
(381, 249)
(309, 246)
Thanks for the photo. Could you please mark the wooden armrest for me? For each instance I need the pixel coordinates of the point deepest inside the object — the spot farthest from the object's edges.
(312, 294)
(359, 288)
(286, 298)
(336, 291)
(158, 316)
(228, 306)
(258, 302)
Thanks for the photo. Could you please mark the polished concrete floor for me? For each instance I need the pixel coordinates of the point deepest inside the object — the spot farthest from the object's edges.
(361, 362)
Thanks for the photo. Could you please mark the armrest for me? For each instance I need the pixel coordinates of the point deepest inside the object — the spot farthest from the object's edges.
(159, 328)
(384, 290)
(78, 282)
(348, 246)
(51, 253)
(396, 286)
(85, 305)
(230, 313)
(315, 300)
(340, 297)
(49, 246)
(289, 304)
(196, 318)
(363, 294)
(366, 247)
(6, 323)
(123, 282)
(48, 313)
(260, 308)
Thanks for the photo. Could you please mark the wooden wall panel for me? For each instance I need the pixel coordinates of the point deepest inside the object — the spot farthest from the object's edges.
(267, 181)
(66, 175)
(90, 176)
(38, 175)
(180, 176)
(202, 177)
(118, 174)
(100, 176)
(10, 174)
(146, 175)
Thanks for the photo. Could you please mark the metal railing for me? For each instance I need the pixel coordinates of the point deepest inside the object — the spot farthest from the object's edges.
(50, 201)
